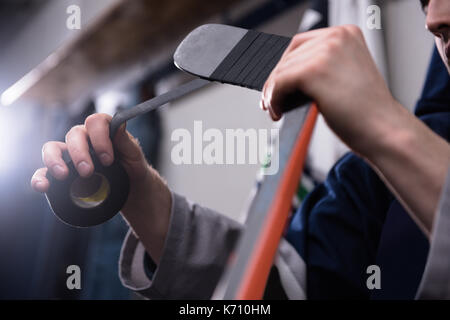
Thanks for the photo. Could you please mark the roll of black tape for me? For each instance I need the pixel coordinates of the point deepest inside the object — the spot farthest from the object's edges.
(88, 202)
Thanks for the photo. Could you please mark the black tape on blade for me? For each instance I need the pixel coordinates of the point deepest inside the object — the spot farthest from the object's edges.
(249, 58)
(246, 65)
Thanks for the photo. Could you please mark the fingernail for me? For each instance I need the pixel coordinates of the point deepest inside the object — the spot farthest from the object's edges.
(105, 158)
(83, 168)
(58, 170)
(268, 97)
(266, 104)
(261, 105)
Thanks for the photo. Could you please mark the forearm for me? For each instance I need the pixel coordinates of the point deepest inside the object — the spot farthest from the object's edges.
(413, 161)
(148, 213)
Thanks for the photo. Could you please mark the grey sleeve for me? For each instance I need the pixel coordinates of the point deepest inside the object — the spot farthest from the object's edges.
(435, 282)
(196, 249)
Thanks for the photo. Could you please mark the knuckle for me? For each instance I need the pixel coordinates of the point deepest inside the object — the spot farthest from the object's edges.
(344, 34)
(46, 146)
(338, 33)
(318, 66)
(333, 44)
(354, 31)
(96, 118)
(297, 36)
(296, 39)
(78, 129)
(90, 120)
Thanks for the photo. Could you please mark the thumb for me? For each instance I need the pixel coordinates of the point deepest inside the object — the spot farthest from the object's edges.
(129, 152)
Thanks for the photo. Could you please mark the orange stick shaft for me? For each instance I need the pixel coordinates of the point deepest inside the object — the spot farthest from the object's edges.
(262, 258)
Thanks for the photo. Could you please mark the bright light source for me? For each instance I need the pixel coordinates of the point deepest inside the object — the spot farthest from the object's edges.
(109, 101)
(8, 141)
(18, 138)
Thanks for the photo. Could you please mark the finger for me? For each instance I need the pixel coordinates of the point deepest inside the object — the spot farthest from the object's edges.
(97, 127)
(274, 115)
(52, 159)
(355, 32)
(319, 42)
(293, 58)
(274, 109)
(39, 181)
(281, 86)
(261, 104)
(299, 58)
(305, 65)
(78, 146)
(300, 38)
(331, 38)
(275, 90)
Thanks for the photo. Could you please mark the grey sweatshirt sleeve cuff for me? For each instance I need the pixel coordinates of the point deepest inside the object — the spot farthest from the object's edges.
(198, 243)
(292, 271)
(435, 282)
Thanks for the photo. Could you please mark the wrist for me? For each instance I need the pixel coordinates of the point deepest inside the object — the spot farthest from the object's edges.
(148, 211)
(391, 134)
(149, 202)
(413, 162)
